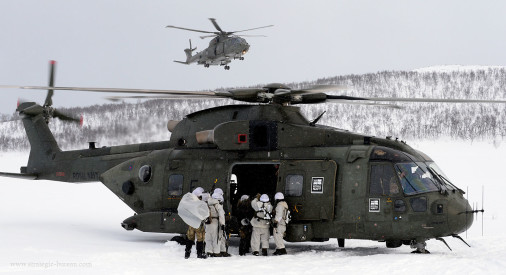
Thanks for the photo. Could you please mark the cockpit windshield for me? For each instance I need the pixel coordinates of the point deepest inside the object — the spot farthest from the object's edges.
(416, 178)
(440, 174)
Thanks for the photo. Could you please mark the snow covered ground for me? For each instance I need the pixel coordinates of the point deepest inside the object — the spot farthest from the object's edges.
(51, 227)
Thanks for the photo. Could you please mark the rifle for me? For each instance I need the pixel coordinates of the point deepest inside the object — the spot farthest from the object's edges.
(225, 236)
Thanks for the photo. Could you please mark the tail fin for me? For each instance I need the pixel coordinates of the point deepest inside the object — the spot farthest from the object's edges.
(42, 142)
(188, 53)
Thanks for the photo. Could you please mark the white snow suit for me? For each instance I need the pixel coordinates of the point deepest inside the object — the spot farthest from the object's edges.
(280, 218)
(260, 225)
(214, 234)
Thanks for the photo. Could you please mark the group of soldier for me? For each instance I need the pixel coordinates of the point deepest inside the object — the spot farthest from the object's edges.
(256, 217)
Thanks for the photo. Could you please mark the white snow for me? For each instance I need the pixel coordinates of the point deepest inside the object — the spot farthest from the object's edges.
(456, 68)
(62, 228)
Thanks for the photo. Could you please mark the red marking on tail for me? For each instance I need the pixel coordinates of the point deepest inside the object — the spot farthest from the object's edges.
(81, 121)
(52, 62)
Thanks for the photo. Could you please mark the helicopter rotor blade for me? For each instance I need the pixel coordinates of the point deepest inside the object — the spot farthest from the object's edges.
(216, 25)
(436, 100)
(251, 29)
(321, 89)
(366, 103)
(187, 29)
(207, 36)
(112, 90)
(169, 97)
(252, 35)
(50, 92)
(65, 117)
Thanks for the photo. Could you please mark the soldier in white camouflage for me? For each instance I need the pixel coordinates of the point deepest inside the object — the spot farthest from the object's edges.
(279, 223)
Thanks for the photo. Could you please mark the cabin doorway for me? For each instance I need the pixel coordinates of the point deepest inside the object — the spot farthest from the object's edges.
(251, 179)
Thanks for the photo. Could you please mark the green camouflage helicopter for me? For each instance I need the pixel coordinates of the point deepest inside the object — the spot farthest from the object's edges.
(337, 184)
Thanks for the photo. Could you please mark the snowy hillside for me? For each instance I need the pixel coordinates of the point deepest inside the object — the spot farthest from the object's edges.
(114, 124)
(457, 68)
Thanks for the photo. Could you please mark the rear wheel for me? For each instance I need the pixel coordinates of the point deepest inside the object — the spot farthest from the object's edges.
(340, 242)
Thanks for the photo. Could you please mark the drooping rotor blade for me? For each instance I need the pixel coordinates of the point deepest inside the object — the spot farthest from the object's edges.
(171, 97)
(251, 29)
(367, 103)
(207, 36)
(112, 90)
(437, 100)
(187, 29)
(50, 92)
(216, 25)
(428, 100)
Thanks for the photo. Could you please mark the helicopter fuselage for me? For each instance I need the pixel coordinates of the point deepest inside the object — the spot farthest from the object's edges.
(337, 184)
(221, 51)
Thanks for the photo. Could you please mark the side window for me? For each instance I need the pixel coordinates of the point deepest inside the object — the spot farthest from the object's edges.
(145, 173)
(293, 185)
(383, 180)
(175, 185)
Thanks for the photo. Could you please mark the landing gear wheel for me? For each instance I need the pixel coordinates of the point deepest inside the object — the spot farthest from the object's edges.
(241, 58)
(206, 65)
(340, 242)
(227, 67)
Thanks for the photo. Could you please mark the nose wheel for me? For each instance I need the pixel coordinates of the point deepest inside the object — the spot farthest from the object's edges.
(206, 65)
(227, 68)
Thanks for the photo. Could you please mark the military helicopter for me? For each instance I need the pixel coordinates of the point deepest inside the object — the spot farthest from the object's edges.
(337, 184)
(222, 48)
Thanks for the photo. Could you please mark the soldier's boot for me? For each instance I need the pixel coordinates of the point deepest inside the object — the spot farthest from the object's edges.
(264, 251)
(276, 252)
(282, 251)
(200, 250)
(188, 249)
(242, 247)
(255, 253)
(225, 254)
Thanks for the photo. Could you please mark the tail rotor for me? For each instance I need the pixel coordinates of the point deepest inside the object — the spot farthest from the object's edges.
(47, 111)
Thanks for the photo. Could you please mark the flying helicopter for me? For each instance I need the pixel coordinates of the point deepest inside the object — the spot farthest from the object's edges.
(223, 47)
(337, 184)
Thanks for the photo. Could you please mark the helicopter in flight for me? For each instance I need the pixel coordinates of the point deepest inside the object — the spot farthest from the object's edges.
(337, 184)
(223, 47)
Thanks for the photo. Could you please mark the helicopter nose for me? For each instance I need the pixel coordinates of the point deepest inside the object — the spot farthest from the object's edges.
(245, 48)
(458, 217)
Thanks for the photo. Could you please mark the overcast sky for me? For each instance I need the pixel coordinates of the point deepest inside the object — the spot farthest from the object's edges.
(125, 44)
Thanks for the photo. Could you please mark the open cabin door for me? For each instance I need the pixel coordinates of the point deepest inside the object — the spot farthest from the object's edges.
(309, 188)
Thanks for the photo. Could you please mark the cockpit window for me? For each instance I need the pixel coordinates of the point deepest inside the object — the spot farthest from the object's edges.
(383, 180)
(415, 178)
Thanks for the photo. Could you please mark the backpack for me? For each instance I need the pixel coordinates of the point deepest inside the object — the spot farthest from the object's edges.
(288, 216)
